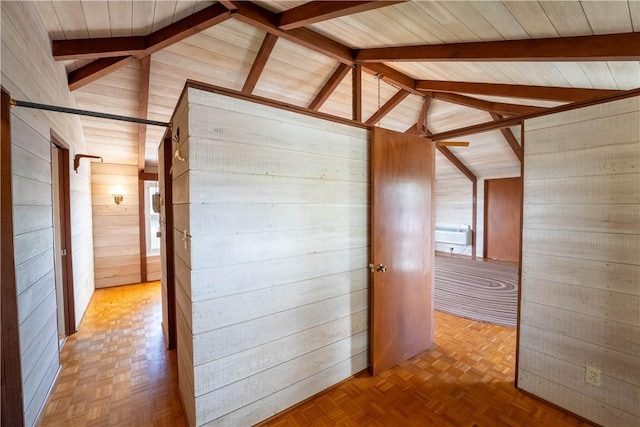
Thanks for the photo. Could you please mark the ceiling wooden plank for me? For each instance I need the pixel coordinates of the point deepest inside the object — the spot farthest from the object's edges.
(356, 88)
(510, 138)
(96, 48)
(387, 107)
(328, 88)
(143, 109)
(259, 63)
(480, 104)
(267, 21)
(96, 69)
(318, 11)
(457, 163)
(550, 93)
(605, 47)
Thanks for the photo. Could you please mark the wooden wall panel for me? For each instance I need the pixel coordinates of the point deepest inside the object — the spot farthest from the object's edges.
(116, 244)
(271, 223)
(581, 261)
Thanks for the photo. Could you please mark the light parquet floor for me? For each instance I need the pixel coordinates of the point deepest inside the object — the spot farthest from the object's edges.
(465, 380)
(116, 372)
(115, 369)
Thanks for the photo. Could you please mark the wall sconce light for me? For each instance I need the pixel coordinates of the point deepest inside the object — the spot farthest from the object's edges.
(118, 194)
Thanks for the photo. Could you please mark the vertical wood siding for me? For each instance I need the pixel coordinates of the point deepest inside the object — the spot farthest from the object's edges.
(29, 73)
(116, 234)
(271, 219)
(581, 261)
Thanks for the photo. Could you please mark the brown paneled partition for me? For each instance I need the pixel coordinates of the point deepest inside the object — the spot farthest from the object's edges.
(502, 201)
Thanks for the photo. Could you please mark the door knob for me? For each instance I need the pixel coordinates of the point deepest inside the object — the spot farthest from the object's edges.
(379, 268)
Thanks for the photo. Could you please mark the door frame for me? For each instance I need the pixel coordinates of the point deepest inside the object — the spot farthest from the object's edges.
(65, 233)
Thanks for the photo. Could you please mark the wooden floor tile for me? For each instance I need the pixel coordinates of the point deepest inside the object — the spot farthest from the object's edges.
(115, 369)
(466, 379)
(116, 372)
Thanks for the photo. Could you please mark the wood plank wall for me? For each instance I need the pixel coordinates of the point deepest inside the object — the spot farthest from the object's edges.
(29, 73)
(581, 261)
(271, 221)
(115, 227)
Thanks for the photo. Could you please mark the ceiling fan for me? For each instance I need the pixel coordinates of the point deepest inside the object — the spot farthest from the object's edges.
(452, 143)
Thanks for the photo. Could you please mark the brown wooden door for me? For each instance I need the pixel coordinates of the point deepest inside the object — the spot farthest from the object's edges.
(502, 211)
(402, 174)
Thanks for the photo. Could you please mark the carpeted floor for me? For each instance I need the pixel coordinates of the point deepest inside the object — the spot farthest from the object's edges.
(478, 290)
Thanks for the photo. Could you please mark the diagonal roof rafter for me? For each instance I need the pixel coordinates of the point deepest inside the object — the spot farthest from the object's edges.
(318, 11)
(260, 62)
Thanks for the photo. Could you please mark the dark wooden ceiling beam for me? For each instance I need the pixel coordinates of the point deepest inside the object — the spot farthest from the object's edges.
(480, 104)
(418, 129)
(267, 21)
(549, 93)
(387, 107)
(604, 47)
(457, 163)
(97, 48)
(140, 45)
(336, 78)
(96, 69)
(393, 77)
(517, 120)
(228, 4)
(153, 42)
(318, 11)
(259, 63)
(185, 27)
(510, 138)
(143, 108)
(421, 123)
(356, 90)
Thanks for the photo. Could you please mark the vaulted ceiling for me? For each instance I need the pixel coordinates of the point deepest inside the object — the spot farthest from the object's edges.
(440, 65)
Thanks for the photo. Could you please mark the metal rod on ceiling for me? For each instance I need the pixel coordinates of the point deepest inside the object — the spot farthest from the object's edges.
(58, 109)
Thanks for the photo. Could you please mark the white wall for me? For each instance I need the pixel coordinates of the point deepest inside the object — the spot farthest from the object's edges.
(581, 261)
(29, 73)
(272, 287)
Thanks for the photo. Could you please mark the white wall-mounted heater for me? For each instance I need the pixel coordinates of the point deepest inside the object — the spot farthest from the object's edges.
(456, 234)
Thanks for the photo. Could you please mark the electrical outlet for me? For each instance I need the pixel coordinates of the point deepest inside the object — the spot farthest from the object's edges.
(592, 376)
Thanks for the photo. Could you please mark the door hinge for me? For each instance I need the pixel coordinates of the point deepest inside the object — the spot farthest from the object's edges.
(63, 252)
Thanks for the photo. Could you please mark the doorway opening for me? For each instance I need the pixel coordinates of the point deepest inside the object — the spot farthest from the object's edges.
(63, 263)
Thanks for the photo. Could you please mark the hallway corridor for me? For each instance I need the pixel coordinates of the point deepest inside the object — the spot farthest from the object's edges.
(115, 369)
